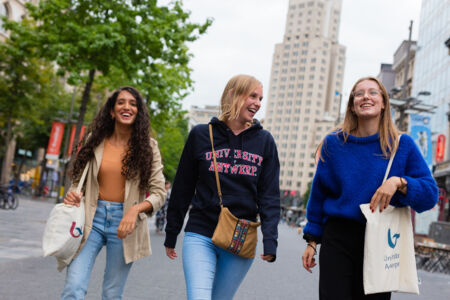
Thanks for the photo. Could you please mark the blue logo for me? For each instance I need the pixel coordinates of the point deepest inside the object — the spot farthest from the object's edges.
(395, 237)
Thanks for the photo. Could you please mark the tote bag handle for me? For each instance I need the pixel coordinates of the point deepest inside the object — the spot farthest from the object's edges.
(83, 177)
(388, 169)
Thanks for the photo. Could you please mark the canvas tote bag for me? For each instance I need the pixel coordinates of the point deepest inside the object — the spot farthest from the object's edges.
(65, 227)
(389, 258)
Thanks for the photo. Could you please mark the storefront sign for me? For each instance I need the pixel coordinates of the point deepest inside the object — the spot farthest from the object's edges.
(54, 144)
(440, 148)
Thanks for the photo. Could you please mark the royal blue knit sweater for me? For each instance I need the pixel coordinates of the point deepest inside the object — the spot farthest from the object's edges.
(249, 176)
(351, 173)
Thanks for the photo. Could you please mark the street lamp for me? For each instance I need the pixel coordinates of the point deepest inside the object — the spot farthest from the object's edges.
(409, 106)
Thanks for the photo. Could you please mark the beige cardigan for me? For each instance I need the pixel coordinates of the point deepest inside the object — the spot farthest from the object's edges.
(137, 244)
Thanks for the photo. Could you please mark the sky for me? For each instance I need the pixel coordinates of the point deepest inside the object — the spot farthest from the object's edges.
(242, 38)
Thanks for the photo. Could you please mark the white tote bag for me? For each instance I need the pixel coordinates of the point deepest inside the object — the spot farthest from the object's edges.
(65, 227)
(389, 258)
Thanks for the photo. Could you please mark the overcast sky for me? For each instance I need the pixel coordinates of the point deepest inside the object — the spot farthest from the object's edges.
(244, 33)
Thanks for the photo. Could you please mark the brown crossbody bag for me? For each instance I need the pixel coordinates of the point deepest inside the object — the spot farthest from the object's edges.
(238, 236)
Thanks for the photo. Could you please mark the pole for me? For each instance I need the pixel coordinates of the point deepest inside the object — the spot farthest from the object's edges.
(66, 145)
(402, 123)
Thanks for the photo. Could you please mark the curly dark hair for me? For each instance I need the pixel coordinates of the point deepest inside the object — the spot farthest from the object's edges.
(138, 159)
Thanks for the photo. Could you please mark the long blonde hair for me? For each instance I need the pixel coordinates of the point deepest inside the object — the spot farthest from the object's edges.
(238, 89)
(388, 131)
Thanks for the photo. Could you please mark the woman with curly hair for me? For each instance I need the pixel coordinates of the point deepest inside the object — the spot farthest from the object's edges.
(124, 185)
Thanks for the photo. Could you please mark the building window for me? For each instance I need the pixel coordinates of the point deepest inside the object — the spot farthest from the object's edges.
(4, 12)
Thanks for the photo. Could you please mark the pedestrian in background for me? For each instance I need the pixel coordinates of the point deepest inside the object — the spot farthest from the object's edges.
(350, 170)
(161, 215)
(241, 144)
(124, 166)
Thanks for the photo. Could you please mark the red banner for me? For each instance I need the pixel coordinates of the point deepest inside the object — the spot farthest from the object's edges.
(440, 148)
(72, 137)
(54, 144)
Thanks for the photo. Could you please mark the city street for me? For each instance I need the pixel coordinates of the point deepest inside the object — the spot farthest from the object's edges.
(25, 274)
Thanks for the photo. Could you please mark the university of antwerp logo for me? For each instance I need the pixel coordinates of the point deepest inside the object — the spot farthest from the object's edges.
(78, 232)
(392, 239)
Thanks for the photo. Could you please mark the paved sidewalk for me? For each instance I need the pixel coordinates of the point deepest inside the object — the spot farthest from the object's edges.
(21, 229)
(25, 274)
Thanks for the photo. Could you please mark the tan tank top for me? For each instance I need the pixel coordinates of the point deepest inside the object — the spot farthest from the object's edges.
(111, 181)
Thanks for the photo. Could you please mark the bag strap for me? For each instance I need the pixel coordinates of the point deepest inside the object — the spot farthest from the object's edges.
(83, 177)
(219, 191)
(388, 169)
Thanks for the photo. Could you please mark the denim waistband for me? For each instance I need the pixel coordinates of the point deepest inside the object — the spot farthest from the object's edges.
(101, 203)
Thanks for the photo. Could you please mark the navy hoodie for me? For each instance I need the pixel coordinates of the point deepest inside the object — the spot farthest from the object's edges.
(249, 178)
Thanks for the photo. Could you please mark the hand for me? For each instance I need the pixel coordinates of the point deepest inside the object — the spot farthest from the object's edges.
(171, 253)
(72, 198)
(128, 222)
(384, 194)
(308, 257)
(268, 257)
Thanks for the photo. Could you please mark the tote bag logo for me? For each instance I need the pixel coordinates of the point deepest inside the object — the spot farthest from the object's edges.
(73, 229)
(394, 237)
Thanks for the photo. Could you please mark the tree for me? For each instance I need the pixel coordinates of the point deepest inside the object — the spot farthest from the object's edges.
(24, 81)
(171, 136)
(139, 41)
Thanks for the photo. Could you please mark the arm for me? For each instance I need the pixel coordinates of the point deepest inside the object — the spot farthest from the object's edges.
(156, 198)
(157, 192)
(314, 228)
(182, 192)
(269, 201)
(314, 214)
(422, 192)
(416, 187)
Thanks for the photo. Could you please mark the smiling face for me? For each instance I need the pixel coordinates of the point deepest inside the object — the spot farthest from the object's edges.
(367, 100)
(251, 105)
(125, 109)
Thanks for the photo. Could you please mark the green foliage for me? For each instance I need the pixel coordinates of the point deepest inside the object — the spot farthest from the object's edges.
(171, 136)
(30, 93)
(146, 44)
(120, 42)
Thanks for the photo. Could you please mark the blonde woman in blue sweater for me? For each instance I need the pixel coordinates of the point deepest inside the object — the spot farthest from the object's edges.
(350, 171)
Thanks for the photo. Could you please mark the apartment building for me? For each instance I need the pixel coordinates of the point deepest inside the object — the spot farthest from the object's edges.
(305, 87)
(13, 10)
(387, 76)
(202, 115)
(407, 49)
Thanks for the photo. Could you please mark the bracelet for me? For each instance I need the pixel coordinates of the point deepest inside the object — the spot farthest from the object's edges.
(315, 252)
(403, 184)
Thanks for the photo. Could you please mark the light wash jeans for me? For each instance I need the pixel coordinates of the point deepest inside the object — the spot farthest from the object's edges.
(104, 232)
(210, 271)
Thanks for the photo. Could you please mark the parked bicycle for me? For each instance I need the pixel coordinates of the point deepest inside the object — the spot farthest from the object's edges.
(7, 198)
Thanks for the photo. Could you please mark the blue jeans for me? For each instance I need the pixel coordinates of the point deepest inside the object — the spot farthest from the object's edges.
(104, 232)
(210, 271)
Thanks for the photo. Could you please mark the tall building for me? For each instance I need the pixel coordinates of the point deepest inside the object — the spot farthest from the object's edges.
(305, 87)
(432, 74)
(387, 76)
(432, 62)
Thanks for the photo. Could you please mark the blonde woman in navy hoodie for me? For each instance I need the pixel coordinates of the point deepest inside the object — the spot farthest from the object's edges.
(350, 172)
(248, 170)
